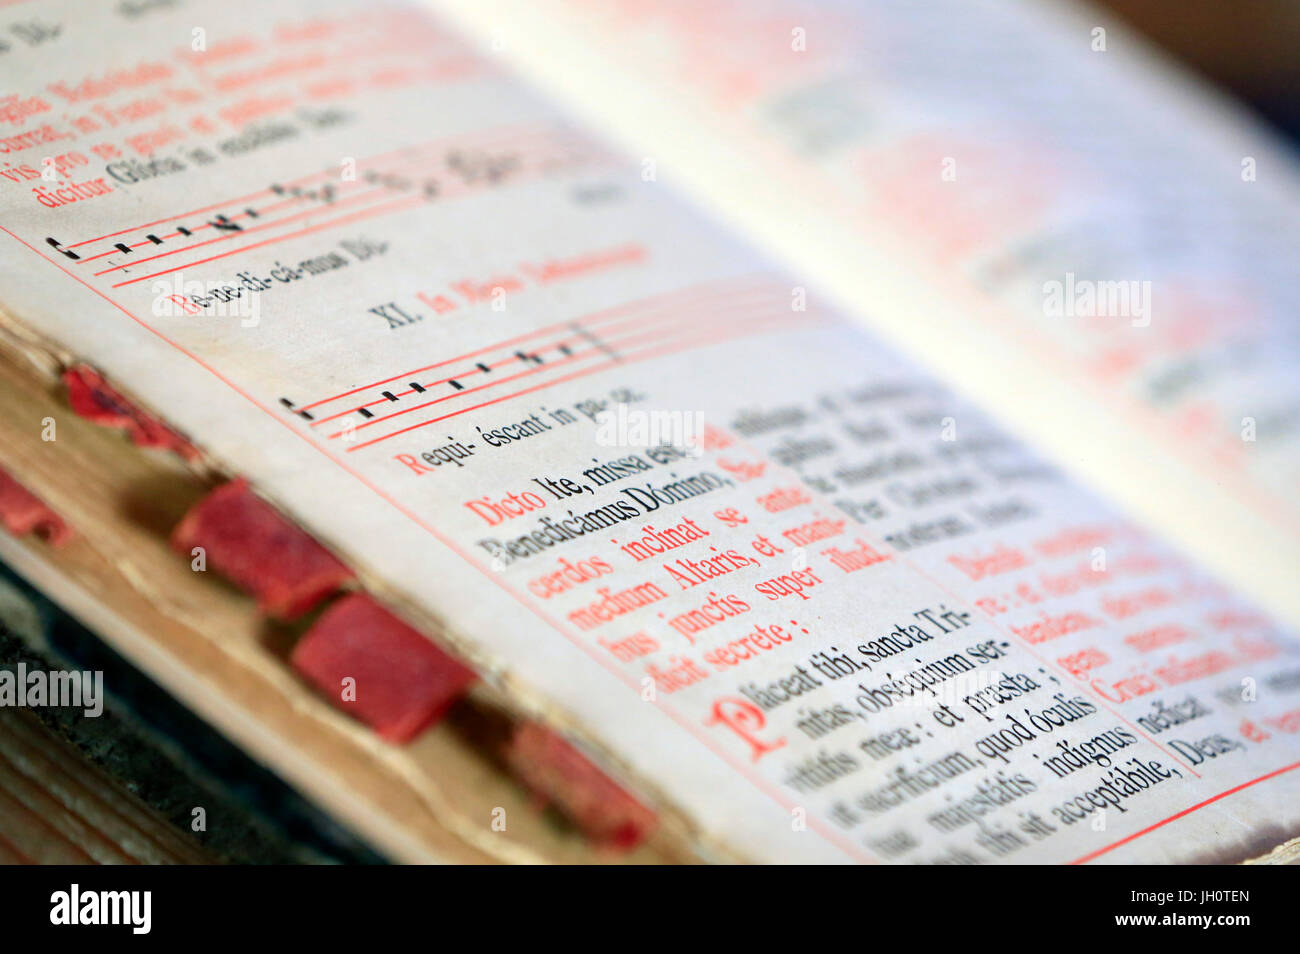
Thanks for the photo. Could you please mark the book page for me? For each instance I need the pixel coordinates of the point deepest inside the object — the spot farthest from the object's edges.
(767, 571)
(1023, 194)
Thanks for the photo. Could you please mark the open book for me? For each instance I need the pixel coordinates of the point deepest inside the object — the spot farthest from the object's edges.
(954, 525)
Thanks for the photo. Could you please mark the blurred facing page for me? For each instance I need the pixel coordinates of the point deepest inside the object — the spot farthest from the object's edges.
(1023, 194)
(769, 572)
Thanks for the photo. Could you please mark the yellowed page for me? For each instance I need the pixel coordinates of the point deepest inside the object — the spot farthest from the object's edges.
(1023, 194)
(766, 570)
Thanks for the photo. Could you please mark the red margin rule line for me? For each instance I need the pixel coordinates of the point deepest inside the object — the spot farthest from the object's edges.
(600, 659)
(916, 567)
(757, 781)
(1186, 811)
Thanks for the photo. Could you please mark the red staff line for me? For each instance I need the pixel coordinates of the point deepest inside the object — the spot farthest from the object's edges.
(592, 316)
(420, 147)
(242, 215)
(259, 228)
(602, 659)
(367, 213)
(172, 218)
(1186, 811)
(664, 317)
(614, 344)
(753, 328)
(236, 233)
(428, 384)
(363, 214)
(579, 356)
(370, 194)
(198, 228)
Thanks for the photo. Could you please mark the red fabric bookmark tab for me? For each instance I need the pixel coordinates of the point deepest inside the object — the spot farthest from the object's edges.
(556, 771)
(379, 669)
(95, 400)
(22, 512)
(247, 541)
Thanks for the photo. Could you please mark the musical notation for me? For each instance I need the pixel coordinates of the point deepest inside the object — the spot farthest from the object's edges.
(688, 318)
(436, 171)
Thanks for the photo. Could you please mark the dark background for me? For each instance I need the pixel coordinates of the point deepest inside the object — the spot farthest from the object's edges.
(1251, 48)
